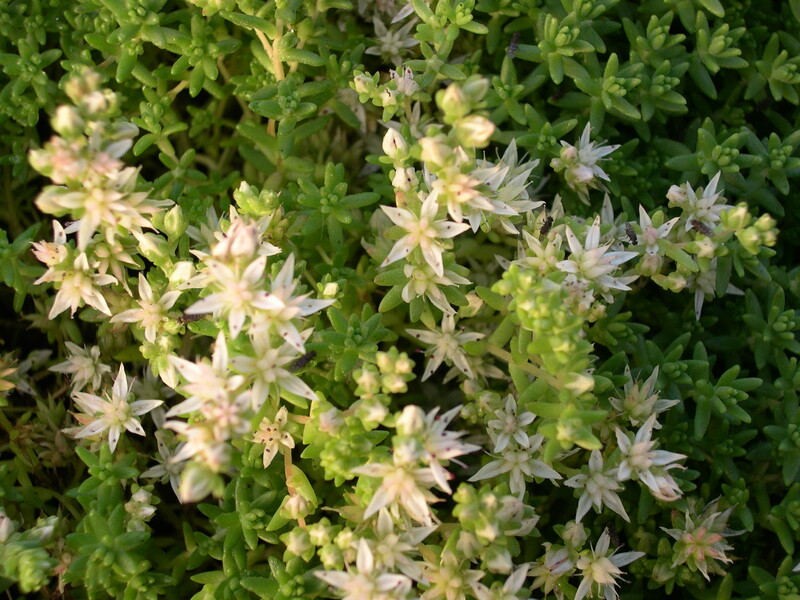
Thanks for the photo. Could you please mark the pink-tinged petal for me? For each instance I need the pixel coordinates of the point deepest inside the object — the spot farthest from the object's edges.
(433, 256)
(92, 429)
(291, 336)
(364, 560)
(613, 502)
(113, 437)
(236, 318)
(622, 440)
(285, 277)
(267, 301)
(433, 364)
(337, 579)
(401, 249)
(141, 407)
(430, 207)
(255, 269)
(310, 306)
(574, 245)
(624, 471)
(96, 300)
(448, 229)
(297, 386)
(593, 235)
(134, 426)
(584, 503)
(540, 469)
(189, 405)
(399, 216)
(625, 558)
(492, 469)
(380, 499)
(219, 359)
(89, 403)
(663, 457)
(210, 304)
(583, 588)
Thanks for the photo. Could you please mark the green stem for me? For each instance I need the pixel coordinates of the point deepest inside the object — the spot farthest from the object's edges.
(534, 370)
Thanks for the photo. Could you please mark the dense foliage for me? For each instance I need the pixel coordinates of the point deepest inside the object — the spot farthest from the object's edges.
(483, 299)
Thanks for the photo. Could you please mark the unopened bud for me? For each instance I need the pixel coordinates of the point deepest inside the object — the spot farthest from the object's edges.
(394, 145)
(474, 131)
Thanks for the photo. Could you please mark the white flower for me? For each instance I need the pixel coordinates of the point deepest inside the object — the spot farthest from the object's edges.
(440, 445)
(366, 582)
(167, 468)
(447, 345)
(699, 205)
(651, 235)
(423, 232)
(84, 365)
(78, 285)
(391, 43)
(556, 564)
(593, 261)
(402, 484)
(114, 413)
(649, 466)
(520, 464)
(599, 487)
(698, 545)
(601, 569)
(509, 425)
(392, 549)
(641, 400)
(405, 82)
(424, 282)
(236, 293)
(205, 382)
(281, 319)
(580, 163)
(451, 579)
(267, 369)
(509, 589)
(151, 312)
(273, 434)
(704, 284)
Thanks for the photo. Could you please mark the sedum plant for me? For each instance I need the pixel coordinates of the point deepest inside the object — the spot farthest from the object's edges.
(388, 300)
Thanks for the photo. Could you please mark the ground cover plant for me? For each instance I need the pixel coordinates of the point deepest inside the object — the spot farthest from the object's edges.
(480, 299)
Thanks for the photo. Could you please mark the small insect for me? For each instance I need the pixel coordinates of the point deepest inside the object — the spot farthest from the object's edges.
(558, 93)
(513, 45)
(302, 361)
(631, 234)
(701, 228)
(548, 223)
(184, 318)
(613, 535)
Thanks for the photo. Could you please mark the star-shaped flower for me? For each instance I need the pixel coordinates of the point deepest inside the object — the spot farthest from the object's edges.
(447, 345)
(114, 413)
(423, 232)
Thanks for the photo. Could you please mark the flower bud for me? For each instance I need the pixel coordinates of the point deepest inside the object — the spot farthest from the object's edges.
(405, 179)
(453, 103)
(297, 541)
(175, 224)
(475, 89)
(474, 131)
(411, 421)
(677, 195)
(435, 150)
(394, 145)
(7, 527)
(67, 121)
(388, 98)
(363, 84)
(736, 218)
